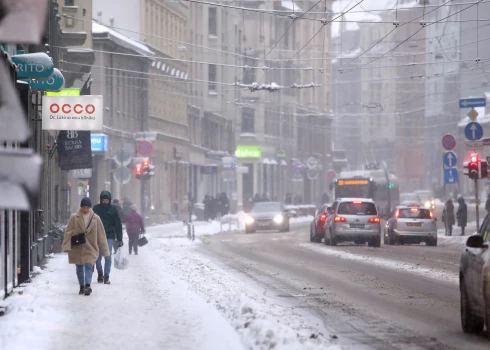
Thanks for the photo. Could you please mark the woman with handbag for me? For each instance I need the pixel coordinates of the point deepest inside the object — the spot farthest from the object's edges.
(134, 227)
(84, 237)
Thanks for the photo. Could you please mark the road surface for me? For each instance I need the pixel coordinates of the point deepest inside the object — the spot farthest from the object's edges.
(411, 303)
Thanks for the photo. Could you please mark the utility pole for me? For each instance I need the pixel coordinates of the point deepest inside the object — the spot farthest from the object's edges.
(477, 203)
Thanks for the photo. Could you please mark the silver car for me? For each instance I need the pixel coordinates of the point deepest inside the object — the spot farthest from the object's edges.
(267, 216)
(354, 220)
(411, 224)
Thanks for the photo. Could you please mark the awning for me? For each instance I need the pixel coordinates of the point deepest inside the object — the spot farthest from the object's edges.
(266, 161)
(273, 162)
(284, 163)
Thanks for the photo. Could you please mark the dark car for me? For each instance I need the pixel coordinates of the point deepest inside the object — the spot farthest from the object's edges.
(474, 281)
(317, 227)
(267, 216)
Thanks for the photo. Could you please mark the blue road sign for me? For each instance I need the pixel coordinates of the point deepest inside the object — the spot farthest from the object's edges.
(450, 176)
(472, 102)
(473, 131)
(450, 159)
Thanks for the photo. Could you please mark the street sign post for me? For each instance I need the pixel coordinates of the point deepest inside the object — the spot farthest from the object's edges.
(145, 148)
(472, 102)
(473, 131)
(450, 159)
(450, 176)
(448, 142)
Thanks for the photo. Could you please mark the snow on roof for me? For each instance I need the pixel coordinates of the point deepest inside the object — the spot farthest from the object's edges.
(361, 12)
(121, 39)
(290, 5)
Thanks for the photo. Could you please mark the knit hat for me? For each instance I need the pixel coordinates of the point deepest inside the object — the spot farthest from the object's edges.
(86, 202)
(134, 207)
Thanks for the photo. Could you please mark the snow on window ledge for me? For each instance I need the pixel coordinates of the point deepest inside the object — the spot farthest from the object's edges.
(212, 36)
(212, 93)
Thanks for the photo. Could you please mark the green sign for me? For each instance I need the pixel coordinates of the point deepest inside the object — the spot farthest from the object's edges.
(248, 152)
(281, 154)
(33, 65)
(54, 83)
(64, 92)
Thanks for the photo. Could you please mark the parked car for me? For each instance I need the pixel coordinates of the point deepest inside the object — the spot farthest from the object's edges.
(267, 216)
(355, 220)
(411, 224)
(474, 281)
(317, 227)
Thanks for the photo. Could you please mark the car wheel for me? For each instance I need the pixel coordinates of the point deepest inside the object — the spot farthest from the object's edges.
(333, 240)
(326, 240)
(311, 235)
(391, 239)
(470, 322)
(432, 242)
(375, 242)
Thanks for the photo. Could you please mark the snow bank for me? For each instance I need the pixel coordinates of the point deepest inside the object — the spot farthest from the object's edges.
(261, 322)
(386, 263)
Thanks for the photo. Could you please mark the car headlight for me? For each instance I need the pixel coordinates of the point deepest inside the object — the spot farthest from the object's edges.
(433, 202)
(278, 219)
(427, 204)
(249, 220)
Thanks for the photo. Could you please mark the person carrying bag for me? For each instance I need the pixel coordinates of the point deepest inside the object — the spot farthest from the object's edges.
(134, 227)
(84, 237)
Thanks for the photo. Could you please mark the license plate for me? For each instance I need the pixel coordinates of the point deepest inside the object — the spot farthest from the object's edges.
(263, 224)
(417, 224)
(357, 225)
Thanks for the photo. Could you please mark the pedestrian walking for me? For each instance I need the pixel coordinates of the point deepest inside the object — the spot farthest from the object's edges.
(134, 227)
(448, 217)
(84, 238)
(113, 230)
(225, 204)
(462, 214)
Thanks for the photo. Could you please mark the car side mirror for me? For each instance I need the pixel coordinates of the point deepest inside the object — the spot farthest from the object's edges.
(476, 241)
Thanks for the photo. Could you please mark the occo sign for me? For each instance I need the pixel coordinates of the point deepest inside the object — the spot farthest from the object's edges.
(72, 113)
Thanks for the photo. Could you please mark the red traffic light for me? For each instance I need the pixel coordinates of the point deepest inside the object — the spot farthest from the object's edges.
(138, 169)
(473, 159)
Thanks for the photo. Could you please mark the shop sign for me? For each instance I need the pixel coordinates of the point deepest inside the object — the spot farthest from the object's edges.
(33, 65)
(64, 92)
(248, 152)
(54, 83)
(72, 113)
(74, 150)
(99, 143)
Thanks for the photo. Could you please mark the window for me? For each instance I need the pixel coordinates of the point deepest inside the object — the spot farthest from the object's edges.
(248, 73)
(248, 120)
(212, 77)
(69, 2)
(414, 213)
(212, 22)
(357, 208)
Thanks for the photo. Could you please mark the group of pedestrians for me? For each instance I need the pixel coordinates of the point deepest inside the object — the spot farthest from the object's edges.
(450, 219)
(215, 207)
(92, 233)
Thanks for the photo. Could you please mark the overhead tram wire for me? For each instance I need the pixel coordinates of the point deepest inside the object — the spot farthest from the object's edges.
(404, 41)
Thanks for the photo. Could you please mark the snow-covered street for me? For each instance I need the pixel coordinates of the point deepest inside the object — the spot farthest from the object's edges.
(170, 297)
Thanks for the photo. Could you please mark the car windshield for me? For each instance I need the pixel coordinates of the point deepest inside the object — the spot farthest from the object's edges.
(408, 197)
(424, 196)
(414, 213)
(357, 208)
(265, 207)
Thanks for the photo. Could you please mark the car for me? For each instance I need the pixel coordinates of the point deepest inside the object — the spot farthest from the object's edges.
(411, 224)
(426, 198)
(317, 227)
(267, 216)
(355, 220)
(474, 281)
(409, 199)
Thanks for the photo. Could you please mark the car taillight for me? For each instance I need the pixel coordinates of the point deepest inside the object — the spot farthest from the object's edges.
(323, 217)
(340, 219)
(397, 214)
(431, 215)
(374, 220)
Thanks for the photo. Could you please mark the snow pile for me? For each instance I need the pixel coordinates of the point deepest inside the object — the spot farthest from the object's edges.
(386, 263)
(261, 322)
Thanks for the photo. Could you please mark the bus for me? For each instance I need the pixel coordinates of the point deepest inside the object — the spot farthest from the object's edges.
(377, 185)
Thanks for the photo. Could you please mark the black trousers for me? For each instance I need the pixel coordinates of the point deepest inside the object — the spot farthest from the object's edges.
(133, 242)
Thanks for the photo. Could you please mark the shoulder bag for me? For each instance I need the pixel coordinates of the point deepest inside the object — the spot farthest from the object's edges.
(79, 238)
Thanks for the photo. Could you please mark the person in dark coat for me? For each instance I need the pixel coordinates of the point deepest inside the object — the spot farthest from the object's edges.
(225, 204)
(448, 217)
(113, 229)
(257, 198)
(462, 214)
(134, 227)
(207, 207)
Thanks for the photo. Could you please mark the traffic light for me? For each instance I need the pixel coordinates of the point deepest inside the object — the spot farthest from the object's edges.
(138, 171)
(148, 170)
(483, 169)
(474, 167)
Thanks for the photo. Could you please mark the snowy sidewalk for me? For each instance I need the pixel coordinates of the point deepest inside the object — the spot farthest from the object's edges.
(144, 308)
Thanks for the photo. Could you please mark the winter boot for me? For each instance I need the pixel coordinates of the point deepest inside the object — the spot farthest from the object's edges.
(82, 290)
(106, 280)
(87, 290)
(100, 277)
